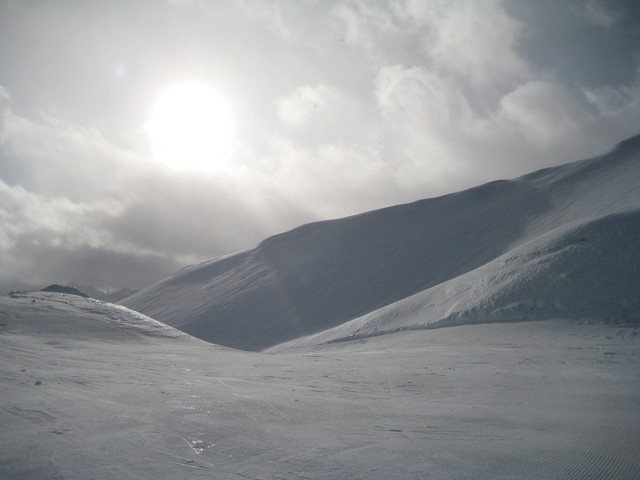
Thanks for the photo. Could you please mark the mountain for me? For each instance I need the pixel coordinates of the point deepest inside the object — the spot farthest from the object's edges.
(111, 295)
(588, 271)
(65, 289)
(540, 246)
(90, 389)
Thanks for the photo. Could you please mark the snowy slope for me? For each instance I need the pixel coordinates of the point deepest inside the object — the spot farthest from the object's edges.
(78, 317)
(89, 390)
(587, 271)
(325, 274)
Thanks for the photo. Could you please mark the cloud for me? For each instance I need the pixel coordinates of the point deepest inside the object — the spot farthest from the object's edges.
(544, 113)
(365, 23)
(322, 114)
(55, 157)
(297, 107)
(65, 188)
(440, 139)
(331, 180)
(418, 96)
(24, 213)
(472, 42)
(424, 118)
(621, 100)
(342, 106)
(464, 107)
(195, 216)
(31, 224)
(600, 14)
(617, 110)
(5, 111)
(297, 23)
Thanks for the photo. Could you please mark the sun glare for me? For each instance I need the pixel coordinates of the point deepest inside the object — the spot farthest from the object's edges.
(191, 128)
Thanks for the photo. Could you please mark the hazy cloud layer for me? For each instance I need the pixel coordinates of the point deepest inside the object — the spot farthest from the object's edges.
(341, 107)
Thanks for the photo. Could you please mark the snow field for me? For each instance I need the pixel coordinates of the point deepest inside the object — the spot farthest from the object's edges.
(547, 399)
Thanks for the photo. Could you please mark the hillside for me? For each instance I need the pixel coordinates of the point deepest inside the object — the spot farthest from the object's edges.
(325, 274)
(588, 272)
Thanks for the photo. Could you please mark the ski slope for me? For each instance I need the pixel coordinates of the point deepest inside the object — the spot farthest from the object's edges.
(536, 247)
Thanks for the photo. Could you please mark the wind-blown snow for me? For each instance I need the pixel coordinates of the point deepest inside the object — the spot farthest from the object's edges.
(540, 246)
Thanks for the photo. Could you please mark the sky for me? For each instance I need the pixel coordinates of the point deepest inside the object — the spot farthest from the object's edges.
(137, 137)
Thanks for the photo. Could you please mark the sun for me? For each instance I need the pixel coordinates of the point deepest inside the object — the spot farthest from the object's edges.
(191, 128)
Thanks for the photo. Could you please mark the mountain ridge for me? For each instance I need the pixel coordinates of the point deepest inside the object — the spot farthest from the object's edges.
(564, 274)
(324, 274)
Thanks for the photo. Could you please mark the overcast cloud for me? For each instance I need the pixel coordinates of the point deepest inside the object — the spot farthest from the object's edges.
(340, 107)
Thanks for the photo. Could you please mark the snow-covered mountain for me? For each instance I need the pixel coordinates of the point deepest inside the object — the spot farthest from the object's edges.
(587, 271)
(89, 389)
(560, 242)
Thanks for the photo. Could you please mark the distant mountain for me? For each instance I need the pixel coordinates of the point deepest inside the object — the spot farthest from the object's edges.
(560, 242)
(64, 289)
(110, 295)
(113, 296)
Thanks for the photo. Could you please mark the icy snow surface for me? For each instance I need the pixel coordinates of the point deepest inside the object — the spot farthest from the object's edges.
(560, 242)
(90, 390)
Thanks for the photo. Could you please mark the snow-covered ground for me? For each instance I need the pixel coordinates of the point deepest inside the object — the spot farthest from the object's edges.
(93, 390)
(560, 242)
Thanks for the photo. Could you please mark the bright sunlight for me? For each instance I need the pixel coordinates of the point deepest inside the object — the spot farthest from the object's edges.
(191, 128)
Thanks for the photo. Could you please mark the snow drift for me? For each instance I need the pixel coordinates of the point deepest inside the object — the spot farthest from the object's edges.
(496, 252)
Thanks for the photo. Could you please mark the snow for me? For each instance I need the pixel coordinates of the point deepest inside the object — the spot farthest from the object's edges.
(587, 271)
(93, 390)
(325, 274)
(345, 373)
